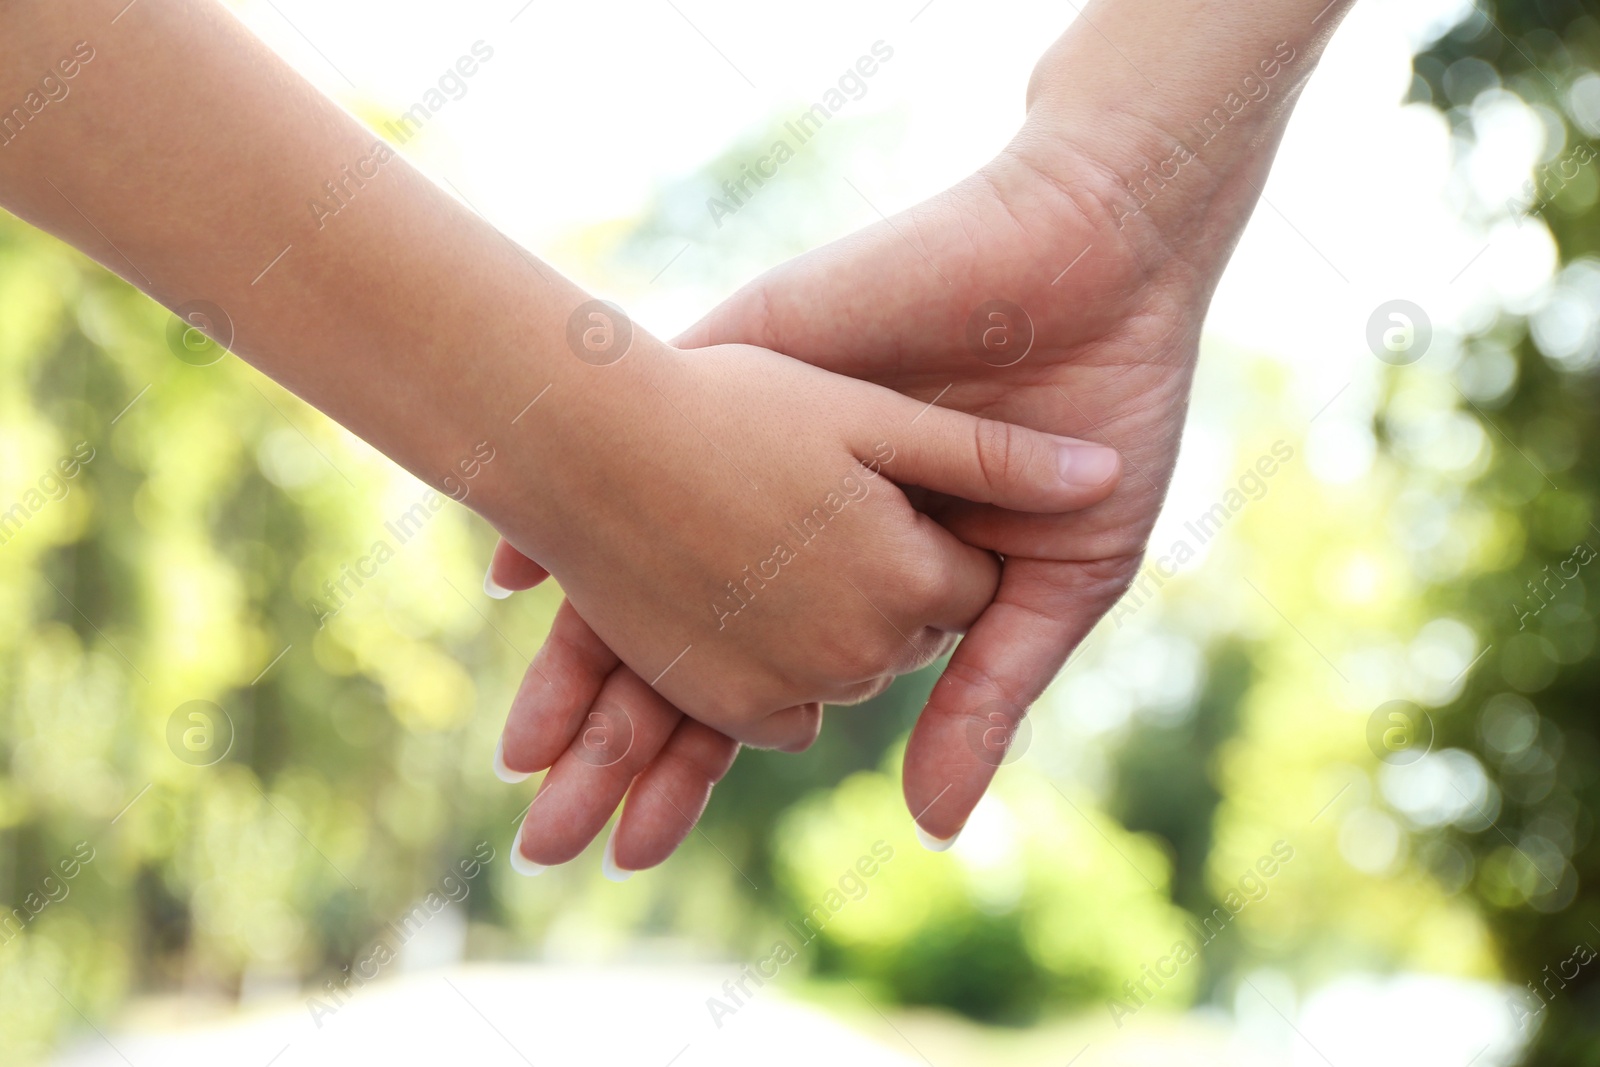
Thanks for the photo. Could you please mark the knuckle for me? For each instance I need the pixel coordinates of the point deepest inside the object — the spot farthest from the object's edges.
(999, 447)
(731, 706)
(923, 581)
(980, 688)
(707, 752)
(861, 692)
(861, 655)
(686, 766)
(1108, 580)
(941, 644)
(916, 652)
(863, 658)
(896, 653)
(724, 709)
(806, 728)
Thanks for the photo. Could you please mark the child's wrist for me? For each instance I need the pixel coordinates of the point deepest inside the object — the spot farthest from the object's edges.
(553, 450)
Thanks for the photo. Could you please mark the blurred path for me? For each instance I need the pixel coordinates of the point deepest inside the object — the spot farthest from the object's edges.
(506, 1016)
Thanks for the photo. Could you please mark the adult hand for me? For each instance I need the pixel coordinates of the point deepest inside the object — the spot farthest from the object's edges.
(1108, 221)
(1113, 343)
(834, 583)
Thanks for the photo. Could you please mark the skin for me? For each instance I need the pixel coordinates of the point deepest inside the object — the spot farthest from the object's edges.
(646, 481)
(1116, 282)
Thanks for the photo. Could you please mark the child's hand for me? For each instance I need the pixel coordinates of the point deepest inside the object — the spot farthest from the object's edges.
(604, 734)
(729, 524)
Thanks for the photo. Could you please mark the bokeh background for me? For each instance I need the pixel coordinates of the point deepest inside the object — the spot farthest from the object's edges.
(1377, 680)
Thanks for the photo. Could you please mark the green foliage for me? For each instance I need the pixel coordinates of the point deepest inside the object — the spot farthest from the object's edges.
(177, 563)
(183, 558)
(204, 552)
(1044, 903)
(1528, 711)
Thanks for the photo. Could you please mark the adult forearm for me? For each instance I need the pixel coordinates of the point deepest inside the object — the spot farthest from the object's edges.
(185, 156)
(1165, 57)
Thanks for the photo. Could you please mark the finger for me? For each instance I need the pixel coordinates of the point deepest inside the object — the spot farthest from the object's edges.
(1086, 535)
(624, 730)
(668, 798)
(963, 580)
(933, 586)
(991, 462)
(865, 691)
(562, 682)
(790, 730)
(510, 572)
(1041, 613)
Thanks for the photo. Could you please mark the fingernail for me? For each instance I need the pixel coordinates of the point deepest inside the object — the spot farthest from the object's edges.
(935, 844)
(492, 587)
(608, 862)
(501, 771)
(1087, 465)
(522, 864)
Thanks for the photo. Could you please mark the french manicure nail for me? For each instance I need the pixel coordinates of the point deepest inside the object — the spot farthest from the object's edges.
(935, 844)
(608, 862)
(1087, 465)
(501, 771)
(522, 864)
(492, 587)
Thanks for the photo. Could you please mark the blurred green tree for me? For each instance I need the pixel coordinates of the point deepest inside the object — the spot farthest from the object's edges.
(1529, 857)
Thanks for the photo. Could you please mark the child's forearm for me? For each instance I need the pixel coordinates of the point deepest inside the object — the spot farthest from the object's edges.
(185, 156)
(189, 159)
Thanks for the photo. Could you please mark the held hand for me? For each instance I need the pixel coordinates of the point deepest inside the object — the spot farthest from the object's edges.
(1114, 331)
(807, 576)
(1101, 365)
(1112, 268)
(737, 538)
(1104, 228)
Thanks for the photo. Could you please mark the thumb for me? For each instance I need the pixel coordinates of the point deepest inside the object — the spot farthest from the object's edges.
(989, 462)
(969, 728)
